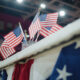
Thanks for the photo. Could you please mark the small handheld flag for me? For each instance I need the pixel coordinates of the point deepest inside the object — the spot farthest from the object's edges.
(12, 39)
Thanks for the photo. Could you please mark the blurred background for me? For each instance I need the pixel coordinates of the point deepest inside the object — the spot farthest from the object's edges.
(14, 11)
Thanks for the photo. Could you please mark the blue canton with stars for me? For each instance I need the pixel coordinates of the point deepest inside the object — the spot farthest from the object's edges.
(68, 64)
(48, 28)
(43, 17)
(35, 18)
(17, 31)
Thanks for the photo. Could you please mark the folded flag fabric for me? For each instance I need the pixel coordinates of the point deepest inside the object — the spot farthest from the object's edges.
(67, 66)
(22, 71)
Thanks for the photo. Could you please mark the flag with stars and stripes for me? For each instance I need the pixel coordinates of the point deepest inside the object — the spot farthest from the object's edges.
(67, 66)
(48, 19)
(42, 21)
(13, 39)
(35, 26)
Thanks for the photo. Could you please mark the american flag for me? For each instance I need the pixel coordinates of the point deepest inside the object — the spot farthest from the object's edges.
(35, 26)
(46, 31)
(14, 38)
(67, 66)
(48, 19)
(11, 40)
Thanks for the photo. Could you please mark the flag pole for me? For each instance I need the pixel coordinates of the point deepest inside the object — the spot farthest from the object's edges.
(22, 31)
(34, 35)
(38, 34)
(25, 32)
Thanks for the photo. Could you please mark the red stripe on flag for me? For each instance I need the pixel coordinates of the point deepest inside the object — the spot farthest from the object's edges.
(6, 51)
(12, 40)
(34, 28)
(51, 19)
(45, 32)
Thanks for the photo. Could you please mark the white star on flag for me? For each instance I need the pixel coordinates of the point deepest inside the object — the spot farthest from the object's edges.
(77, 44)
(63, 74)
